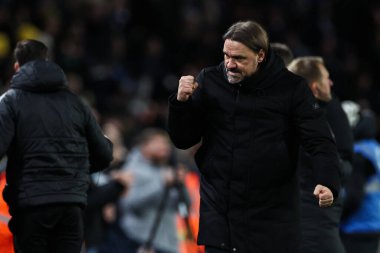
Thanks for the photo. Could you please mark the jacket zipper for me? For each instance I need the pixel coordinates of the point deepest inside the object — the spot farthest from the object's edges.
(236, 101)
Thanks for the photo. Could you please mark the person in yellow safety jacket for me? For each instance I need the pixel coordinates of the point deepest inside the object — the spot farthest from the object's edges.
(6, 238)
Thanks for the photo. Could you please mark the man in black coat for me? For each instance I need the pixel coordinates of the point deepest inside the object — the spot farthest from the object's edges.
(251, 114)
(320, 227)
(52, 142)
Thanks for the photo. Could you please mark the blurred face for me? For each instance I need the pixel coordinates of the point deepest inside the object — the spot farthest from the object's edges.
(157, 149)
(240, 61)
(324, 85)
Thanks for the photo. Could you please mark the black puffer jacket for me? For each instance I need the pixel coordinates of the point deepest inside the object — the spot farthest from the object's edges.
(250, 134)
(50, 137)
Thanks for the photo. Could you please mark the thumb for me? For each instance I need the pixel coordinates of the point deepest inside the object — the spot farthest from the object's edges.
(318, 190)
(195, 85)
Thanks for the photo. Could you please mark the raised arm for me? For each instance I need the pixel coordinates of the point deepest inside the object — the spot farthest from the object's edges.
(184, 114)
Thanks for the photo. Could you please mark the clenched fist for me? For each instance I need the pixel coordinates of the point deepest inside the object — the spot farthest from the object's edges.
(186, 88)
(324, 195)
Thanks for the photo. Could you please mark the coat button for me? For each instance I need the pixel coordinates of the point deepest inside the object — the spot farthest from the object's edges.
(234, 249)
(222, 244)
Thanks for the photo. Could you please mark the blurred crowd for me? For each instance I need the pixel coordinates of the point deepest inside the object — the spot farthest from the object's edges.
(124, 58)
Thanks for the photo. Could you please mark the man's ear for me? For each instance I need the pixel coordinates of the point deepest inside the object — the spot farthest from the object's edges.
(261, 55)
(16, 66)
(314, 88)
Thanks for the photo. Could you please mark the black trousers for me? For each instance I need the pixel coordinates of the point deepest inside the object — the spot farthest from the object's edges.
(48, 229)
(361, 243)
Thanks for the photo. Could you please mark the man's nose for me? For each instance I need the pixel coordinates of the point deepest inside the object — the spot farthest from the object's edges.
(230, 63)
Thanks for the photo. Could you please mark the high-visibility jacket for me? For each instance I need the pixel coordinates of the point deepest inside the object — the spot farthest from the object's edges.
(187, 242)
(367, 218)
(6, 238)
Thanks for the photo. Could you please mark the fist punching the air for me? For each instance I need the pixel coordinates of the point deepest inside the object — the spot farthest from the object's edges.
(186, 88)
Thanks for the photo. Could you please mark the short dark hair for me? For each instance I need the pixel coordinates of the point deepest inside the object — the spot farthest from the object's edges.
(283, 51)
(308, 67)
(30, 50)
(249, 33)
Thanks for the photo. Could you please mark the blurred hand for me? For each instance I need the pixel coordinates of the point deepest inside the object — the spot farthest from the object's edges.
(109, 213)
(174, 175)
(181, 172)
(186, 88)
(324, 195)
(169, 176)
(123, 177)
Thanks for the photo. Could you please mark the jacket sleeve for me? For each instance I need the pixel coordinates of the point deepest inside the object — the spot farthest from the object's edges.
(99, 146)
(184, 120)
(316, 137)
(7, 124)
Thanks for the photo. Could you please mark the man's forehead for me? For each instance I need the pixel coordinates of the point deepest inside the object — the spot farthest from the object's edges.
(232, 47)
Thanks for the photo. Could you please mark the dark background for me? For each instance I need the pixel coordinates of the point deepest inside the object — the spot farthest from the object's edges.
(126, 56)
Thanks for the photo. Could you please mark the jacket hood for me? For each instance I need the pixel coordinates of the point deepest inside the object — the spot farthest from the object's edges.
(267, 70)
(39, 76)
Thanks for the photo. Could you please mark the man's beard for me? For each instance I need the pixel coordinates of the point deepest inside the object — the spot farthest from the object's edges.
(232, 78)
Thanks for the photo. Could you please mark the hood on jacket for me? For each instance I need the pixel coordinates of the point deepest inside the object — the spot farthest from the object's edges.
(39, 76)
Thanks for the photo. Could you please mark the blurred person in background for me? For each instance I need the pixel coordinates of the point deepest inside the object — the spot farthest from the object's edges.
(283, 51)
(320, 227)
(105, 189)
(53, 143)
(360, 227)
(150, 166)
(251, 114)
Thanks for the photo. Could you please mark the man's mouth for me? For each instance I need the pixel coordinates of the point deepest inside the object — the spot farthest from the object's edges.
(233, 72)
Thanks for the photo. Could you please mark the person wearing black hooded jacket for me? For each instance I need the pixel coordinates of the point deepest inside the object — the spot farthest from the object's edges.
(320, 227)
(250, 115)
(53, 142)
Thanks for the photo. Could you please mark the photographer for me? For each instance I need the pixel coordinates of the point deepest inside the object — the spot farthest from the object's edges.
(151, 194)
